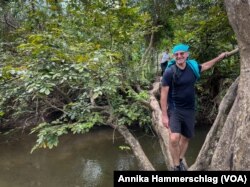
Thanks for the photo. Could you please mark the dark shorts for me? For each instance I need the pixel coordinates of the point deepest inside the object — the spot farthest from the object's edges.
(182, 121)
(163, 67)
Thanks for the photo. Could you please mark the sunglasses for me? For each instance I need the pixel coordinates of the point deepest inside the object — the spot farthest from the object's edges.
(179, 54)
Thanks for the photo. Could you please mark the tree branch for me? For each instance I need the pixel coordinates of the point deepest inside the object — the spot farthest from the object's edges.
(142, 159)
(8, 23)
(230, 53)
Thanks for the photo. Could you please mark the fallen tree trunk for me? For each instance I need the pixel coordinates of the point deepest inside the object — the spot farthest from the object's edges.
(161, 131)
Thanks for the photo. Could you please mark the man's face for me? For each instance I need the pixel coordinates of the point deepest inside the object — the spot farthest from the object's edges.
(181, 57)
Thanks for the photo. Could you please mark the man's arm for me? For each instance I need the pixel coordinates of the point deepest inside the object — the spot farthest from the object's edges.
(164, 107)
(207, 65)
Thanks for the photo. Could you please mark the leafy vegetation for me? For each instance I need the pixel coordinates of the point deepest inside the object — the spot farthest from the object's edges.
(67, 66)
(74, 67)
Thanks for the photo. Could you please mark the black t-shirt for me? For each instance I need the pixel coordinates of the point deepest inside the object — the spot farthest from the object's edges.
(181, 89)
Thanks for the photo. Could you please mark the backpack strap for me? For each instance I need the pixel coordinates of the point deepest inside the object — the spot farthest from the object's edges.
(176, 73)
(195, 67)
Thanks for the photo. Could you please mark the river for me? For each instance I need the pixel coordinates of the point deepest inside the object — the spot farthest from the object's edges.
(85, 160)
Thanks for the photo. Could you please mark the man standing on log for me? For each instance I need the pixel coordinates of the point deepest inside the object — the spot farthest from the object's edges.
(178, 100)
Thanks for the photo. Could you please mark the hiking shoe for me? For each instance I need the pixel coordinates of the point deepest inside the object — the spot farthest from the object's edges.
(182, 166)
(176, 168)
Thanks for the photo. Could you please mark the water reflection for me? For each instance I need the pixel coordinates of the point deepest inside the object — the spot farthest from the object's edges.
(125, 163)
(92, 171)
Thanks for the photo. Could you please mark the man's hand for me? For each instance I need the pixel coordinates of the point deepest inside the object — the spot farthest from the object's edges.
(207, 65)
(165, 121)
(222, 55)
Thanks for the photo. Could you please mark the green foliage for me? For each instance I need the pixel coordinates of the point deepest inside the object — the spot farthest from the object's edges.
(161, 12)
(48, 133)
(1, 114)
(124, 147)
(70, 63)
(133, 113)
(204, 26)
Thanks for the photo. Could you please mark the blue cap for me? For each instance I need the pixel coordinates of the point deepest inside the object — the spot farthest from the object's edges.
(180, 47)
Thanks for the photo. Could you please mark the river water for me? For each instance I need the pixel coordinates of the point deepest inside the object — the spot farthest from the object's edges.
(85, 160)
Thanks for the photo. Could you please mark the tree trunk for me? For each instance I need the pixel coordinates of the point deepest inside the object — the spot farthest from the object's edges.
(204, 158)
(231, 151)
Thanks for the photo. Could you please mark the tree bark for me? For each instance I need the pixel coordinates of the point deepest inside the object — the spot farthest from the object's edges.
(233, 149)
(143, 161)
(161, 131)
(204, 158)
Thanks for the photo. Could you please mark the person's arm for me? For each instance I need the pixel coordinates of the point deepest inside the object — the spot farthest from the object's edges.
(164, 107)
(207, 65)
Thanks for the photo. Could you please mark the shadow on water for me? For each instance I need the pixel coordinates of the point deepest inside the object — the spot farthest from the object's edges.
(86, 160)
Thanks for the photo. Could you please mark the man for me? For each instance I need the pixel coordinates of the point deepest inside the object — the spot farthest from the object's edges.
(178, 100)
(164, 61)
